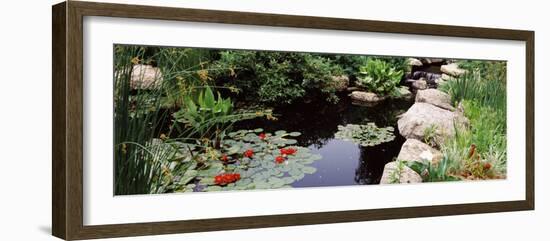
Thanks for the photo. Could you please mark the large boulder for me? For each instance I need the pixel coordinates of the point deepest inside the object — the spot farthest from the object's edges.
(420, 84)
(421, 116)
(446, 77)
(396, 173)
(452, 70)
(145, 77)
(429, 61)
(366, 97)
(435, 97)
(413, 150)
(340, 83)
(414, 62)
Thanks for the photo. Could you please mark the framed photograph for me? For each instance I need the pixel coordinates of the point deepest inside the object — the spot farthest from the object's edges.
(170, 120)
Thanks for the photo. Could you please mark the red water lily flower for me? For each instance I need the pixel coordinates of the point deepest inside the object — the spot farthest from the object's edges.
(249, 153)
(262, 136)
(224, 158)
(226, 178)
(288, 151)
(279, 159)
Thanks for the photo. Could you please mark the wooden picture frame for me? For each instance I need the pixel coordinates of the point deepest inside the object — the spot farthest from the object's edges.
(67, 124)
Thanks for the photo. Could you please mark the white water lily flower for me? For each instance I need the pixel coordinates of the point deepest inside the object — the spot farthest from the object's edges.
(426, 155)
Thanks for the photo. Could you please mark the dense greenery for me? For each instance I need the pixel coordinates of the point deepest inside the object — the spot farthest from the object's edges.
(479, 151)
(278, 77)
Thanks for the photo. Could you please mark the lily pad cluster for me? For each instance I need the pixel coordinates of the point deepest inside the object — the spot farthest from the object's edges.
(247, 159)
(365, 135)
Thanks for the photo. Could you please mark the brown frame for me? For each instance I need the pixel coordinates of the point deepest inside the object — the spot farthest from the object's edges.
(67, 123)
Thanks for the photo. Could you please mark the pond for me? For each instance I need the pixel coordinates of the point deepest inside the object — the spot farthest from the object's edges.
(343, 162)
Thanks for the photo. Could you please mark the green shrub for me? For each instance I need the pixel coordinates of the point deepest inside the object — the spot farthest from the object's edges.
(278, 77)
(379, 76)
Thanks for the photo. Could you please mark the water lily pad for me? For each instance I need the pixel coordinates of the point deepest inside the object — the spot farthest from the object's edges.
(309, 170)
(295, 133)
(260, 171)
(365, 135)
(258, 130)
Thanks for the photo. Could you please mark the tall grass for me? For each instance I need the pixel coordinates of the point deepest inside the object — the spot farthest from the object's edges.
(482, 94)
(472, 86)
(137, 121)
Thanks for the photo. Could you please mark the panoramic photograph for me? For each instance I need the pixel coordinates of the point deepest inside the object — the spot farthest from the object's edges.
(204, 120)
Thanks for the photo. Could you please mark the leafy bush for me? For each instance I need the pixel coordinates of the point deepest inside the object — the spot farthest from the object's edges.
(352, 64)
(278, 77)
(379, 76)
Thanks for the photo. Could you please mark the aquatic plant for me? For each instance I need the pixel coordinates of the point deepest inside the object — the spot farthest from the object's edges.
(379, 76)
(245, 160)
(261, 163)
(208, 116)
(365, 135)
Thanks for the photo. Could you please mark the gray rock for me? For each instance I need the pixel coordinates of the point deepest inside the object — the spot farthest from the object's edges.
(413, 123)
(353, 88)
(412, 150)
(341, 82)
(405, 175)
(367, 97)
(420, 84)
(145, 77)
(435, 97)
(414, 62)
(446, 77)
(404, 93)
(432, 60)
(452, 69)
(439, 81)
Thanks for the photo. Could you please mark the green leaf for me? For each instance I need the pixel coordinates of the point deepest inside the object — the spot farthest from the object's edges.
(258, 130)
(209, 100)
(295, 133)
(309, 170)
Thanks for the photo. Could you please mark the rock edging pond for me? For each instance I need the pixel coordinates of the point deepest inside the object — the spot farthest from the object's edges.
(431, 113)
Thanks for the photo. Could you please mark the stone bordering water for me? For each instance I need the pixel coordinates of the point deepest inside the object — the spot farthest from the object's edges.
(432, 110)
(421, 116)
(398, 172)
(366, 98)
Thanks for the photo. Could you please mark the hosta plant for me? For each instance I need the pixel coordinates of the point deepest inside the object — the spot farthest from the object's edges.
(379, 76)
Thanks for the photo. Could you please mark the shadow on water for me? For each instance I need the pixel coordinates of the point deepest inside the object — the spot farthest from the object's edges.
(343, 162)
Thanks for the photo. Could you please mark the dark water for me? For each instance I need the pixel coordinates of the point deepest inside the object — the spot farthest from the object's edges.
(343, 162)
